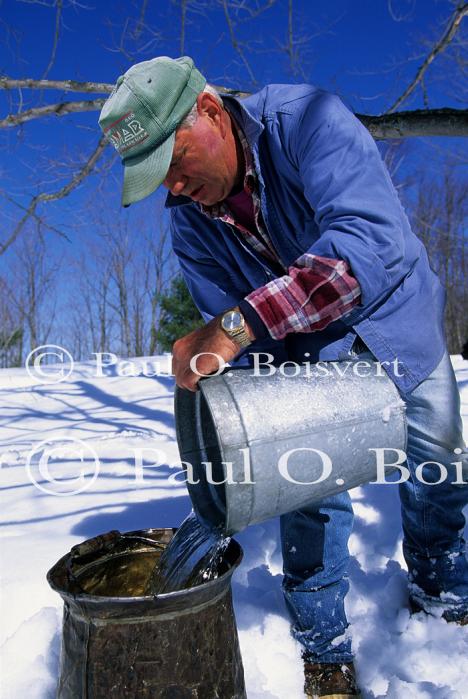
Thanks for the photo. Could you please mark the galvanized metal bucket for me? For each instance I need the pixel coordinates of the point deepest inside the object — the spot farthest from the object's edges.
(282, 442)
(119, 642)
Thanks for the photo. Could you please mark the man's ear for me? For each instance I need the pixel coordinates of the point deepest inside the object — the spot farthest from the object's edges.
(208, 105)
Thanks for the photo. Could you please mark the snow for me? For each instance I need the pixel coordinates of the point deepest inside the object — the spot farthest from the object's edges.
(128, 423)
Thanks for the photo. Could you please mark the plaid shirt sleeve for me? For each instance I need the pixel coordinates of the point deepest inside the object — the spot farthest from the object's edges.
(315, 292)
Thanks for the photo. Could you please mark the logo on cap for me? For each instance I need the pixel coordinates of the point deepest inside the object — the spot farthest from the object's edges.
(126, 133)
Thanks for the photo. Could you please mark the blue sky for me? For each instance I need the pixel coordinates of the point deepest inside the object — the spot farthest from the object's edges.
(365, 50)
(353, 47)
(348, 41)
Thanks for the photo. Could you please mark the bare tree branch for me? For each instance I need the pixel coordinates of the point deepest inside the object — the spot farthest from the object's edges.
(402, 17)
(229, 91)
(252, 12)
(58, 16)
(183, 16)
(53, 196)
(430, 122)
(293, 44)
(290, 47)
(419, 122)
(439, 47)
(141, 20)
(56, 109)
(7, 83)
(37, 218)
(235, 44)
(135, 38)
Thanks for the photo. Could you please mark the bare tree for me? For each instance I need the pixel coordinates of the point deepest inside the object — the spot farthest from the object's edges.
(121, 279)
(32, 281)
(12, 330)
(439, 218)
(91, 330)
(439, 47)
(139, 280)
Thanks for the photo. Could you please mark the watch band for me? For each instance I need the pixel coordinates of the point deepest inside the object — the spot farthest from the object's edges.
(242, 338)
(238, 334)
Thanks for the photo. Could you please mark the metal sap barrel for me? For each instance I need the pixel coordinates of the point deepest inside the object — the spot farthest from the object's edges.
(282, 442)
(117, 642)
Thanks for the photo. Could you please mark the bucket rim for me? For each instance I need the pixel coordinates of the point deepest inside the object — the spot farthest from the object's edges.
(97, 600)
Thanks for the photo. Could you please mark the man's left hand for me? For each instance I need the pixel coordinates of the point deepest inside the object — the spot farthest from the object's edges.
(212, 341)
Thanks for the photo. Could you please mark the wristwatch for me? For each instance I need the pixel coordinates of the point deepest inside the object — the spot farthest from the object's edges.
(233, 323)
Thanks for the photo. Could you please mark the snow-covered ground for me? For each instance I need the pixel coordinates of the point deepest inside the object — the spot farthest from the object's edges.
(128, 424)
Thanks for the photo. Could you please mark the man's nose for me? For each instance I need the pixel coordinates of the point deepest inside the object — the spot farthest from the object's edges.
(175, 183)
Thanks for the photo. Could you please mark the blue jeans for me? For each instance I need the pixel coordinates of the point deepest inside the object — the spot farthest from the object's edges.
(315, 539)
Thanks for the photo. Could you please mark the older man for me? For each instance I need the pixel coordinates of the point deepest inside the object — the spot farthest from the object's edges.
(292, 239)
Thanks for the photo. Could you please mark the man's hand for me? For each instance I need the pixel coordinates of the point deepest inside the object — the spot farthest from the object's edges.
(210, 339)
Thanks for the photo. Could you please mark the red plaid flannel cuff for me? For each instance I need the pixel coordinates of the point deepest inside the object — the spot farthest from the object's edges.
(315, 292)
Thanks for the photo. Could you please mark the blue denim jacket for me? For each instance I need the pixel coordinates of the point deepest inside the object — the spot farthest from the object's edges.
(324, 189)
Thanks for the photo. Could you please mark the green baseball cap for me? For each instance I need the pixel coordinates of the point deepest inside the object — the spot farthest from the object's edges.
(141, 115)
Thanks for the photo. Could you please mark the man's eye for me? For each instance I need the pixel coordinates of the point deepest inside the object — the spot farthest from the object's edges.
(177, 159)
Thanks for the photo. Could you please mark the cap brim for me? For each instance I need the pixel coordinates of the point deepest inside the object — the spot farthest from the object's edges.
(144, 174)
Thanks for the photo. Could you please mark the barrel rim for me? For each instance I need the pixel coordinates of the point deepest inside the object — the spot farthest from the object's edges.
(102, 600)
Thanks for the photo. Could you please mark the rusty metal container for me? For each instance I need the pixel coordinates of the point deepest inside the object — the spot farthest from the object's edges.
(119, 642)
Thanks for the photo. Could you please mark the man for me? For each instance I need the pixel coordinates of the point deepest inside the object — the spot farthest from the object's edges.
(291, 239)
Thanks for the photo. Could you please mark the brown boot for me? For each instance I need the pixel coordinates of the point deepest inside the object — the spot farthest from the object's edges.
(461, 621)
(330, 681)
(450, 617)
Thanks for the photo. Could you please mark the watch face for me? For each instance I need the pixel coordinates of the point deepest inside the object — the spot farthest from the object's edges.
(232, 321)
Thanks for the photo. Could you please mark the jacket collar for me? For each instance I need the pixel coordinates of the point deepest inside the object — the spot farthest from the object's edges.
(249, 124)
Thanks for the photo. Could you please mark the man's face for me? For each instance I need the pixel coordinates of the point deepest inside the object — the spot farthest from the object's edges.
(204, 162)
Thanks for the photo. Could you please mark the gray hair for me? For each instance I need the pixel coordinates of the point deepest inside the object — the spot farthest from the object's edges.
(192, 116)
